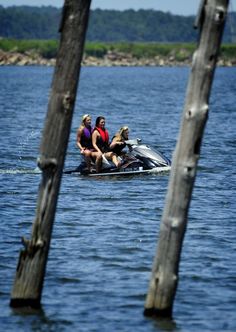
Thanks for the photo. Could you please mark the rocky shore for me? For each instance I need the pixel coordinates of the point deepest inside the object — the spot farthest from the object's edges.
(112, 58)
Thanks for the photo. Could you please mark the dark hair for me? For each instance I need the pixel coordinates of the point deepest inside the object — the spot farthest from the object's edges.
(99, 118)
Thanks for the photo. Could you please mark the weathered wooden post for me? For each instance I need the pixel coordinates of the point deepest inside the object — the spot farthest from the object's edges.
(28, 284)
(164, 279)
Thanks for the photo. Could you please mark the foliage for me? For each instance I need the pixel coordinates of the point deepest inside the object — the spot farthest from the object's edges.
(25, 22)
(150, 50)
(228, 51)
(48, 49)
(96, 49)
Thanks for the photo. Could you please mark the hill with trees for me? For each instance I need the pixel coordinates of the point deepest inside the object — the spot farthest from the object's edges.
(25, 22)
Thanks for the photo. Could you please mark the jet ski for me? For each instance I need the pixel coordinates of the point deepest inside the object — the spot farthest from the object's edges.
(139, 159)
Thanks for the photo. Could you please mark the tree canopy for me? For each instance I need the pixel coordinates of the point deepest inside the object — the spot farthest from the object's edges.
(25, 22)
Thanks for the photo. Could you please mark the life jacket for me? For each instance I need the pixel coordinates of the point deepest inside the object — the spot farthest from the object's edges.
(103, 140)
(104, 134)
(86, 138)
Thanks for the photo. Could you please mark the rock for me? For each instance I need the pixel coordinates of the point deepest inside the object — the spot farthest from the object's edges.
(112, 58)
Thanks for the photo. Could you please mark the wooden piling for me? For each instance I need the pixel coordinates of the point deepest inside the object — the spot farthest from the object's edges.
(28, 283)
(164, 279)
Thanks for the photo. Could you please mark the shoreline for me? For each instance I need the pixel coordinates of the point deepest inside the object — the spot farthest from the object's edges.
(111, 59)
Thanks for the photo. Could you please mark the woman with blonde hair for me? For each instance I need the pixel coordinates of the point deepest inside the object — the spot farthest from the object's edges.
(118, 141)
(84, 143)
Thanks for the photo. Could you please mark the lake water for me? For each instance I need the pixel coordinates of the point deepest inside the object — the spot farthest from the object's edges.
(106, 230)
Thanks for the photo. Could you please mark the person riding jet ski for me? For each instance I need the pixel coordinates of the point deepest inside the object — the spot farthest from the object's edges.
(100, 141)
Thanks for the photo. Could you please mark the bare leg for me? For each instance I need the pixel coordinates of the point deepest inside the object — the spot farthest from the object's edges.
(113, 157)
(98, 164)
(98, 160)
(87, 156)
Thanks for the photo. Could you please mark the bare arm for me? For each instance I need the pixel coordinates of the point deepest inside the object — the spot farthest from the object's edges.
(115, 142)
(94, 141)
(78, 139)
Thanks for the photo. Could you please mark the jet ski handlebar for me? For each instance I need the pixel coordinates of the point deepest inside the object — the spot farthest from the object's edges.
(135, 141)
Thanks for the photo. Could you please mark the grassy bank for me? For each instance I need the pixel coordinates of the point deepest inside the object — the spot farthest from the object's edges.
(48, 49)
(45, 48)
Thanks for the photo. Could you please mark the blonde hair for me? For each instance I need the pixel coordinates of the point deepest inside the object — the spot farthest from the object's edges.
(122, 129)
(84, 117)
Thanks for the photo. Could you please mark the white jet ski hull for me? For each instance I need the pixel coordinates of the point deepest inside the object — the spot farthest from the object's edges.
(126, 172)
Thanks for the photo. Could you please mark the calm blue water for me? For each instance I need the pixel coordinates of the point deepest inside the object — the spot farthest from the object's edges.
(105, 232)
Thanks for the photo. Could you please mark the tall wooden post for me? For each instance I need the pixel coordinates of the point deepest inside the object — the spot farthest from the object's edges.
(28, 284)
(164, 279)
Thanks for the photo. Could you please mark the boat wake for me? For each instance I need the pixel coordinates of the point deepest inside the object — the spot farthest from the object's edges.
(20, 171)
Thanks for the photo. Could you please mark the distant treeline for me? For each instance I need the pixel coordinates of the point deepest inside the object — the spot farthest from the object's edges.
(24, 22)
(48, 49)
